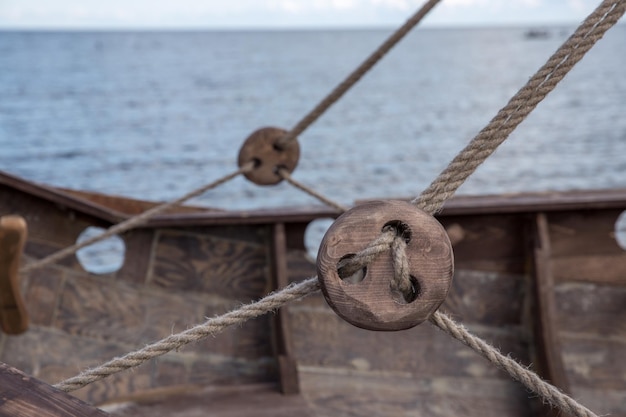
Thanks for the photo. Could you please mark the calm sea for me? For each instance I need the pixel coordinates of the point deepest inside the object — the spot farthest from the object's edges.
(154, 114)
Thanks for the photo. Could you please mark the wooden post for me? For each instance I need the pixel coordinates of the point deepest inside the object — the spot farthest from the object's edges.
(287, 367)
(13, 314)
(548, 359)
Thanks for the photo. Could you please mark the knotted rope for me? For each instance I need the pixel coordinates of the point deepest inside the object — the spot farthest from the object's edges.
(431, 200)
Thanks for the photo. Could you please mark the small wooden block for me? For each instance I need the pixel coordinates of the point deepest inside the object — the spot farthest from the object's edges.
(371, 303)
(262, 148)
(13, 314)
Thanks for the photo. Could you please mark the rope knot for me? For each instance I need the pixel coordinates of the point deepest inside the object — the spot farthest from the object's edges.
(394, 237)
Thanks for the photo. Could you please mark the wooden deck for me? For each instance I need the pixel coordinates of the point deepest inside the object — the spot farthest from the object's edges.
(540, 276)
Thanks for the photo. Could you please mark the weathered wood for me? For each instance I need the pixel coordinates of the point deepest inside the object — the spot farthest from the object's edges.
(24, 396)
(590, 310)
(549, 361)
(350, 394)
(371, 303)
(13, 313)
(261, 148)
(323, 340)
(288, 372)
(591, 269)
(489, 243)
(261, 400)
(197, 262)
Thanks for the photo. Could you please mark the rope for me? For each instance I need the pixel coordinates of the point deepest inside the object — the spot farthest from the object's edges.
(132, 222)
(287, 177)
(508, 118)
(208, 328)
(357, 74)
(530, 379)
(431, 200)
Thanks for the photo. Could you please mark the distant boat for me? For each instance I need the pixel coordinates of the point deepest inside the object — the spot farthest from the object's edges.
(537, 34)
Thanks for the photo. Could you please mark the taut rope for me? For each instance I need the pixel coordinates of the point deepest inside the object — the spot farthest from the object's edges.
(357, 74)
(508, 118)
(431, 200)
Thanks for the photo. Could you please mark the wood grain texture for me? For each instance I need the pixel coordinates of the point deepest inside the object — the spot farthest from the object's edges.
(550, 361)
(595, 363)
(595, 310)
(24, 396)
(371, 303)
(490, 243)
(194, 262)
(13, 313)
(261, 148)
(488, 298)
(323, 340)
(261, 400)
(43, 293)
(356, 394)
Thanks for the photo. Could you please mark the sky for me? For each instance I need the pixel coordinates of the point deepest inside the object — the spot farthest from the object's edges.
(255, 14)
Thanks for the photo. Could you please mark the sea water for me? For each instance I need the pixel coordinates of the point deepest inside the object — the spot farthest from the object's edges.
(152, 115)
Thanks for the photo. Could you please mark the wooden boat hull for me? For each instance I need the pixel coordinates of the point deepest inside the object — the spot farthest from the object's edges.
(542, 277)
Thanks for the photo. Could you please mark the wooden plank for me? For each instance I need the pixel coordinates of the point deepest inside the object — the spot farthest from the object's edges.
(323, 340)
(260, 400)
(358, 394)
(199, 262)
(550, 362)
(592, 310)
(288, 372)
(487, 242)
(599, 269)
(486, 298)
(595, 362)
(13, 313)
(24, 396)
(584, 233)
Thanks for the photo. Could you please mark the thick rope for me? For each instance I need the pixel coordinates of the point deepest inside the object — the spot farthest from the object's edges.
(530, 379)
(401, 280)
(132, 222)
(500, 127)
(507, 119)
(357, 74)
(210, 327)
(287, 177)
(601, 19)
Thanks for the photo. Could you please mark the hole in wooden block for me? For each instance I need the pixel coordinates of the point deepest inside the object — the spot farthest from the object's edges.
(104, 257)
(620, 230)
(409, 296)
(353, 278)
(400, 228)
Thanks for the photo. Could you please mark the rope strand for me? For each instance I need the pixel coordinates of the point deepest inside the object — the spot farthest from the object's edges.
(287, 177)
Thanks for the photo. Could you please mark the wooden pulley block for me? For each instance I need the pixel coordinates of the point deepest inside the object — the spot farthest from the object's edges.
(13, 314)
(262, 148)
(367, 299)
